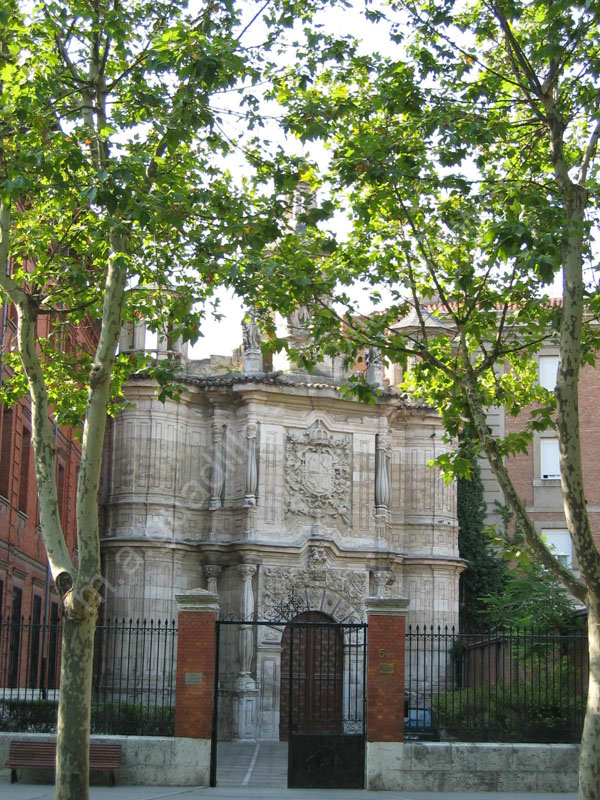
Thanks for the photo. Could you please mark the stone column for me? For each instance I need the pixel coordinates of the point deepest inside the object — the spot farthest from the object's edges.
(251, 464)
(382, 474)
(386, 618)
(245, 704)
(218, 473)
(246, 641)
(383, 489)
(196, 644)
(212, 572)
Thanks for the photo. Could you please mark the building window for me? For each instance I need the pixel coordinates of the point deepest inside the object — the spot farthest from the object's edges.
(550, 465)
(548, 370)
(15, 639)
(559, 541)
(12, 316)
(24, 476)
(5, 452)
(53, 647)
(35, 631)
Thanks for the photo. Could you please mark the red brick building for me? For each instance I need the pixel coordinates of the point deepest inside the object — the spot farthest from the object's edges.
(536, 474)
(26, 588)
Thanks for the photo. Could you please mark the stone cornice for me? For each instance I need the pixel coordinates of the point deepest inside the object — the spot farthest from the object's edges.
(197, 600)
(261, 550)
(388, 606)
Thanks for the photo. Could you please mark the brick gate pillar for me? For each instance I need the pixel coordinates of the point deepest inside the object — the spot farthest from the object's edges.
(196, 643)
(386, 617)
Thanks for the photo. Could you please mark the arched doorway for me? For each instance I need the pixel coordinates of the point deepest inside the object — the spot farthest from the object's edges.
(312, 672)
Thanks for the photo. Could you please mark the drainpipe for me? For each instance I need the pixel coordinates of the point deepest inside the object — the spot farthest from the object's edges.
(3, 327)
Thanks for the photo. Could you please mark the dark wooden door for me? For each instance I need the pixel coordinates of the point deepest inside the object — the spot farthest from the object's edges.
(315, 644)
(325, 740)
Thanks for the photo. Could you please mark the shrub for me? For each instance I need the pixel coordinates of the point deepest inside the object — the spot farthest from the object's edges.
(133, 719)
(39, 716)
(28, 716)
(501, 712)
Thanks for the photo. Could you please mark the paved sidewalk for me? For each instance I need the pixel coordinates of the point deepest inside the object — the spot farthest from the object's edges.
(21, 791)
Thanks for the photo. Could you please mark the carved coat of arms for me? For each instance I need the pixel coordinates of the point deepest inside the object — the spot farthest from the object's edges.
(318, 473)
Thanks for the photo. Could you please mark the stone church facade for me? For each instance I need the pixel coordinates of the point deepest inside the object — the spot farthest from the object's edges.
(259, 484)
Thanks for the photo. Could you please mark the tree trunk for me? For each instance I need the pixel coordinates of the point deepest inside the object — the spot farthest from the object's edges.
(73, 740)
(589, 762)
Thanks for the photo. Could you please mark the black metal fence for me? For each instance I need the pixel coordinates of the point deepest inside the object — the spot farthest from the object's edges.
(133, 688)
(510, 686)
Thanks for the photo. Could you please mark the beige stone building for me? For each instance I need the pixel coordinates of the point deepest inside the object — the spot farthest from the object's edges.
(259, 484)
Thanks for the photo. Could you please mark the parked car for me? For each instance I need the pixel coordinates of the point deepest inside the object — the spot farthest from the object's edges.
(421, 725)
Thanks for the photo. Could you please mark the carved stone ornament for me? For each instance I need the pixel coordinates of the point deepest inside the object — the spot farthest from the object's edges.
(318, 468)
(383, 580)
(251, 332)
(212, 572)
(347, 589)
(317, 556)
(298, 321)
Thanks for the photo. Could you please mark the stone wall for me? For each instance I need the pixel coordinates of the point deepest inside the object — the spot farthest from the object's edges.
(460, 767)
(145, 760)
(391, 766)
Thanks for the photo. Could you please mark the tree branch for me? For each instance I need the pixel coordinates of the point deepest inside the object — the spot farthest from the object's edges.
(88, 576)
(490, 446)
(589, 153)
(43, 446)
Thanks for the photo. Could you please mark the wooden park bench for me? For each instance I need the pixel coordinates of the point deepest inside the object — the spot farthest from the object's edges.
(42, 755)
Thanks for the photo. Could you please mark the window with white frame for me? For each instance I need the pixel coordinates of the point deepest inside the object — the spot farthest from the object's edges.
(559, 541)
(549, 463)
(548, 370)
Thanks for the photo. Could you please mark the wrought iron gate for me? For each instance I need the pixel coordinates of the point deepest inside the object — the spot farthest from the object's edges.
(321, 691)
(325, 689)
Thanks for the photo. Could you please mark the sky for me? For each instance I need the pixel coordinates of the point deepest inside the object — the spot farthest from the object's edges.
(221, 337)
